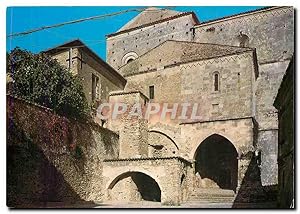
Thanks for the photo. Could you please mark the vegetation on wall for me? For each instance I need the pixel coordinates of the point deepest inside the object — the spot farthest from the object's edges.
(40, 79)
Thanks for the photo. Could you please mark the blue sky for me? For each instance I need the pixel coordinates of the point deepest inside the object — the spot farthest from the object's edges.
(92, 33)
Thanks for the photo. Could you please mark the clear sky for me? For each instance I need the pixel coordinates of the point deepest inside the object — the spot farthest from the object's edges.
(92, 33)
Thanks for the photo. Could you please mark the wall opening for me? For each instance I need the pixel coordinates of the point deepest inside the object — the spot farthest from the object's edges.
(242, 40)
(129, 60)
(134, 186)
(216, 163)
(151, 92)
(216, 81)
(95, 87)
(129, 57)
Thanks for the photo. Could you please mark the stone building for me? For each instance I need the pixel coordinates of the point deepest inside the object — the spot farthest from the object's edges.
(98, 78)
(232, 67)
(285, 104)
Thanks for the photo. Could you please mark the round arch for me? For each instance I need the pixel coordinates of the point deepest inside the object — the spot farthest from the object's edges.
(129, 57)
(142, 184)
(242, 40)
(167, 136)
(216, 162)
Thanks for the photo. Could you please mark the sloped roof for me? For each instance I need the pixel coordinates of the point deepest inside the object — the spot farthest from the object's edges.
(242, 14)
(132, 25)
(77, 43)
(151, 14)
(173, 52)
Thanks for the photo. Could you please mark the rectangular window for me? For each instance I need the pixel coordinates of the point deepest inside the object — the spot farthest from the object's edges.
(151, 92)
(70, 58)
(95, 87)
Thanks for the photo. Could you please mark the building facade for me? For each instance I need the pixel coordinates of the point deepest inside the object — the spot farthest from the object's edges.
(232, 67)
(98, 78)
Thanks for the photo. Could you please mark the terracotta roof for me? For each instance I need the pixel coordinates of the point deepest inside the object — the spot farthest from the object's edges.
(173, 52)
(77, 43)
(155, 22)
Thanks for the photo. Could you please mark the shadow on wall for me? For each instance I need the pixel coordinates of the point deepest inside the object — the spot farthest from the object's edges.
(134, 186)
(45, 150)
(32, 181)
(251, 193)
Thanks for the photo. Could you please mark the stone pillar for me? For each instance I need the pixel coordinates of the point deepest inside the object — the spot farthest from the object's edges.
(133, 130)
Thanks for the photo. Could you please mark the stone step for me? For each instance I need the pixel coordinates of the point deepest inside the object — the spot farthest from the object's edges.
(211, 195)
(210, 200)
(213, 192)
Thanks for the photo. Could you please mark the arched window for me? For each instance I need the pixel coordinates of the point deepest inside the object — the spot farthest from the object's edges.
(242, 40)
(129, 57)
(216, 81)
(129, 60)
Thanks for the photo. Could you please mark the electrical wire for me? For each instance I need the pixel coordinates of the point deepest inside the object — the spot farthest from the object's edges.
(81, 20)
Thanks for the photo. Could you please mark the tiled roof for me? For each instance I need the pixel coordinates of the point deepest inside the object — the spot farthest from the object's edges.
(79, 44)
(175, 52)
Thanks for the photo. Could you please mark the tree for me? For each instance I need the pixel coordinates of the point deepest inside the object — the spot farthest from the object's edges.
(40, 79)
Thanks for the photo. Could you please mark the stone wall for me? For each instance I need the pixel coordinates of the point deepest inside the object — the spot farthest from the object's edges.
(133, 130)
(270, 31)
(194, 83)
(53, 158)
(168, 172)
(137, 42)
(235, 96)
(285, 103)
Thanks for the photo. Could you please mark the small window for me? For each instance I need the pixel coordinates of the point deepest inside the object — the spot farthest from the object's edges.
(70, 58)
(95, 87)
(216, 82)
(129, 60)
(151, 92)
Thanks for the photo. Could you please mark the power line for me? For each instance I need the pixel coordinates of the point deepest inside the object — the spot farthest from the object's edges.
(78, 21)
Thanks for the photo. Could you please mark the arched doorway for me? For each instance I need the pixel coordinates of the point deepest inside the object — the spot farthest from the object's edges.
(216, 163)
(134, 186)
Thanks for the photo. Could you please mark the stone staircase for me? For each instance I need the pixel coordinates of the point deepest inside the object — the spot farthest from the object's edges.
(211, 195)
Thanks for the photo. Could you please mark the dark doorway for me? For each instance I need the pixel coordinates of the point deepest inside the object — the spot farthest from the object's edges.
(133, 186)
(216, 159)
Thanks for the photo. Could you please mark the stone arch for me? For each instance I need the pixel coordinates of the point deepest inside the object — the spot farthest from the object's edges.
(201, 140)
(161, 144)
(242, 40)
(134, 186)
(167, 136)
(129, 57)
(216, 163)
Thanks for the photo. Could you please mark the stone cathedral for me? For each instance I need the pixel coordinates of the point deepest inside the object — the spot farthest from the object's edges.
(233, 67)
